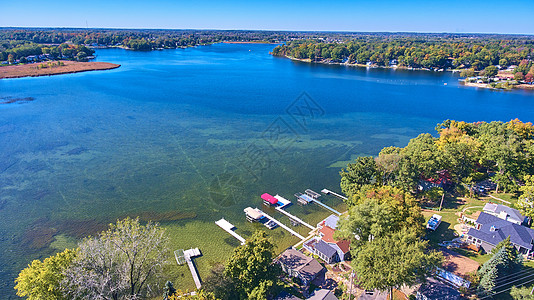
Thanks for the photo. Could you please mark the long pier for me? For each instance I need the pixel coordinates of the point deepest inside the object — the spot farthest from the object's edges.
(327, 207)
(327, 192)
(187, 256)
(283, 226)
(228, 227)
(294, 218)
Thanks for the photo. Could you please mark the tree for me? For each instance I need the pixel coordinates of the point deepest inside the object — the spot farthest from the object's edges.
(10, 58)
(521, 293)
(526, 200)
(519, 76)
(394, 260)
(506, 260)
(490, 71)
(168, 290)
(362, 172)
(467, 73)
(221, 286)
(388, 162)
(374, 219)
(251, 266)
(41, 280)
(118, 264)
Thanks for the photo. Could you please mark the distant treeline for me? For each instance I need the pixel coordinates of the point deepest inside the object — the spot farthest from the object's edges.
(134, 39)
(11, 51)
(431, 52)
(418, 50)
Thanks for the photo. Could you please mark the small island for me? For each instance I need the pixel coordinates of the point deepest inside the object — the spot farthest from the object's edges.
(53, 68)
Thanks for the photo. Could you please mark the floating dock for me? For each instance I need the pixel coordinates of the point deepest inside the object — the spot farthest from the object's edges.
(292, 217)
(282, 225)
(228, 227)
(186, 257)
(328, 192)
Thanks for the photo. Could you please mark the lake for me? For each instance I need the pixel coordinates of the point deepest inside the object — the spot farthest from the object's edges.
(188, 136)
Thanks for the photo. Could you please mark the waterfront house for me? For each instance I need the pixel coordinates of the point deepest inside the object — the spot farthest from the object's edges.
(342, 247)
(325, 246)
(330, 221)
(325, 252)
(506, 213)
(490, 230)
(296, 264)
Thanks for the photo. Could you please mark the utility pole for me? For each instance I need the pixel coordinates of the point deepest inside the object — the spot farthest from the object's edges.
(350, 280)
(442, 196)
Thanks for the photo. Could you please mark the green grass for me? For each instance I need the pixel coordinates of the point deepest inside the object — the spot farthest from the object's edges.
(451, 206)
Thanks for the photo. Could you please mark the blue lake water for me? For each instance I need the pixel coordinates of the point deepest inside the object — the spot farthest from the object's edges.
(189, 136)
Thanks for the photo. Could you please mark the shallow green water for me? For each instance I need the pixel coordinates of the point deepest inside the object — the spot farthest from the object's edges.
(189, 136)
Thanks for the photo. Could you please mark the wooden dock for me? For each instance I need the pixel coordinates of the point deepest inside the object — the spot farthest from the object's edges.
(328, 192)
(187, 256)
(228, 227)
(327, 207)
(294, 218)
(283, 226)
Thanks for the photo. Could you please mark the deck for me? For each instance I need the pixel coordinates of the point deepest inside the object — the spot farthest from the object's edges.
(228, 227)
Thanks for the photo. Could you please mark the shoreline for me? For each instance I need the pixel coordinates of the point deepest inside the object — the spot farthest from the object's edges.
(68, 67)
(307, 60)
(523, 86)
(250, 42)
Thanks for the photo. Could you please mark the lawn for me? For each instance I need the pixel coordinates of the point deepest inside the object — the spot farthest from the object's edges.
(452, 206)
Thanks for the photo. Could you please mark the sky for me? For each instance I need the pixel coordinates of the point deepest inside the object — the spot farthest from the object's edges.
(465, 16)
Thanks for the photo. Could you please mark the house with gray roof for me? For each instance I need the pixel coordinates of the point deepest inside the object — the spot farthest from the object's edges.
(322, 249)
(506, 213)
(296, 264)
(490, 230)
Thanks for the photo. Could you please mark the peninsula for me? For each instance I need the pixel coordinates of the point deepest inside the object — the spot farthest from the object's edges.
(59, 67)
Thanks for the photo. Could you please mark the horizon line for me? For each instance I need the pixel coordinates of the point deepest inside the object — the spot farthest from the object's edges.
(266, 30)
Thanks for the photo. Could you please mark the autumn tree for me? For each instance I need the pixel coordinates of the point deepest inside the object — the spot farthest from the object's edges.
(119, 263)
(42, 279)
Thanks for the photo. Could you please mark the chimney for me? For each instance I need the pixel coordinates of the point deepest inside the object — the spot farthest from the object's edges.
(503, 215)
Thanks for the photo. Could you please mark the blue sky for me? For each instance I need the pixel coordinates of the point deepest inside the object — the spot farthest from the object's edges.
(514, 16)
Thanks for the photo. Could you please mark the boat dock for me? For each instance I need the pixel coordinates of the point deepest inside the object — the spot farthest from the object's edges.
(228, 227)
(186, 256)
(292, 217)
(327, 207)
(284, 202)
(328, 192)
(282, 225)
